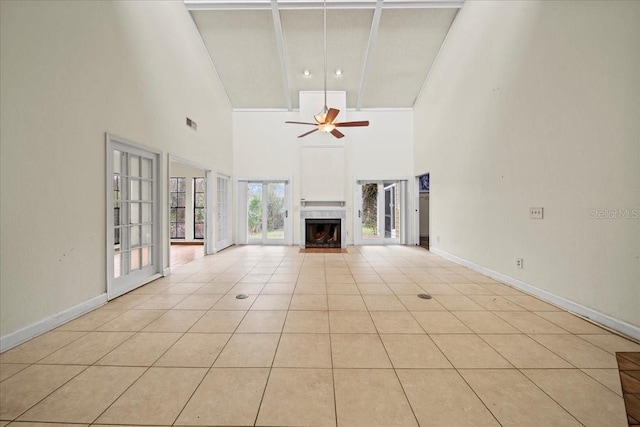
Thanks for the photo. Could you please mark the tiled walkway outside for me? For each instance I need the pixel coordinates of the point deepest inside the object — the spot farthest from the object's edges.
(322, 339)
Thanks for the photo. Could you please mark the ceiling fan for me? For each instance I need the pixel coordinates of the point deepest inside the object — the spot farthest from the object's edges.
(325, 120)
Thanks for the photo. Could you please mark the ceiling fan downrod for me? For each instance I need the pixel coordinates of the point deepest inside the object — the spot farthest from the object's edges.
(326, 119)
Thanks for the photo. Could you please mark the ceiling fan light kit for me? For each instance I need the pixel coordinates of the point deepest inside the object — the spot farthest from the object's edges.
(325, 121)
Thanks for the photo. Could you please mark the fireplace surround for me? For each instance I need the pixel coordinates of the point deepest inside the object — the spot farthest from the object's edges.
(326, 222)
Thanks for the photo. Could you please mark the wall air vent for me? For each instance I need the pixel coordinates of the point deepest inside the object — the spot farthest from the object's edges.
(193, 125)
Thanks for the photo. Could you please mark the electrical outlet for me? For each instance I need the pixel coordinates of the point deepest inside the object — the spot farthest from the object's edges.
(536, 213)
(519, 263)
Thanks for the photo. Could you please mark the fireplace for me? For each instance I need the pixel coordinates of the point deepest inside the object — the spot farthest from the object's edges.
(323, 233)
(323, 224)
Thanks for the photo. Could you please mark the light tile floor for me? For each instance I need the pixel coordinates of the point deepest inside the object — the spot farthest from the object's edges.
(322, 339)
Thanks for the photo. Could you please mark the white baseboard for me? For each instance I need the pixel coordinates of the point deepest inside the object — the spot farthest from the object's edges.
(18, 337)
(621, 326)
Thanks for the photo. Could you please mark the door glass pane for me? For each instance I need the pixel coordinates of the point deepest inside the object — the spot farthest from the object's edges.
(134, 259)
(370, 211)
(117, 211)
(134, 166)
(146, 256)
(135, 213)
(388, 209)
(146, 168)
(254, 210)
(275, 210)
(146, 190)
(135, 190)
(117, 161)
(146, 234)
(146, 212)
(117, 265)
(135, 236)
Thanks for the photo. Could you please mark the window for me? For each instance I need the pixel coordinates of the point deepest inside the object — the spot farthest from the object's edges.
(177, 196)
(198, 207)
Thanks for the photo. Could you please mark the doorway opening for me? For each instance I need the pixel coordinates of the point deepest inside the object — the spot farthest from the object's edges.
(263, 212)
(423, 187)
(380, 215)
(188, 201)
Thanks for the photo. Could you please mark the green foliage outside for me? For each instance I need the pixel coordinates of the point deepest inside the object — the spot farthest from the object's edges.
(255, 215)
(370, 209)
(275, 214)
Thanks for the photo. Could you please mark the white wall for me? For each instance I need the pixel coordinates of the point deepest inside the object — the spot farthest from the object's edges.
(264, 147)
(71, 71)
(536, 104)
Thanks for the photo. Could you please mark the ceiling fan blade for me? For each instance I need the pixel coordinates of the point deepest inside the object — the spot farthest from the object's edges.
(307, 133)
(331, 115)
(337, 133)
(352, 124)
(303, 123)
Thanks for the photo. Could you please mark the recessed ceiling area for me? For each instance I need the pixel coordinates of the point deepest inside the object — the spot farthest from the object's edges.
(384, 49)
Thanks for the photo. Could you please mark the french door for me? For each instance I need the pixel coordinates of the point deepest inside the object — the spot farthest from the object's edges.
(380, 215)
(133, 216)
(223, 213)
(267, 212)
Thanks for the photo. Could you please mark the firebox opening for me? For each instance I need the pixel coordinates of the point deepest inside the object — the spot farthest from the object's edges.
(322, 233)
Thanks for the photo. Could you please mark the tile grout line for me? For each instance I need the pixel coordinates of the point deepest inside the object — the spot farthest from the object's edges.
(330, 334)
(266, 384)
(460, 375)
(148, 368)
(333, 372)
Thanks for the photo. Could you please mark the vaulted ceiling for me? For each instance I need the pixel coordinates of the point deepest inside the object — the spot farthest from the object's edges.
(384, 49)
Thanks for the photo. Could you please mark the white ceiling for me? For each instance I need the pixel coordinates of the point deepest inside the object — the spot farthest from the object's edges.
(385, 49)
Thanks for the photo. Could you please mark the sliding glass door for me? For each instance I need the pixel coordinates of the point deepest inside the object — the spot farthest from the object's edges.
(379, 217)
(267, 213)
